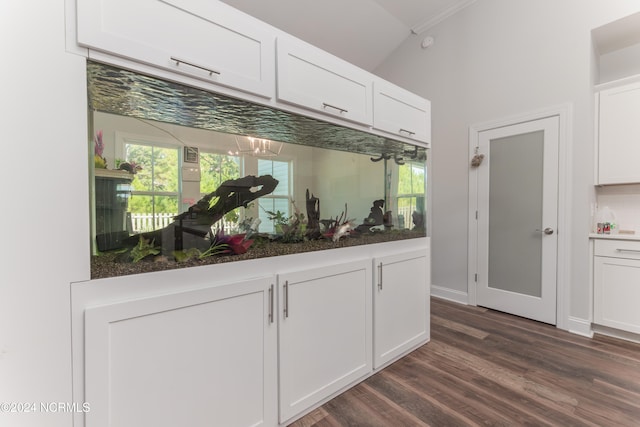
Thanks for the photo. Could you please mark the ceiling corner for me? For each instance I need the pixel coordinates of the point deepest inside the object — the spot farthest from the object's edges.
(434, 20)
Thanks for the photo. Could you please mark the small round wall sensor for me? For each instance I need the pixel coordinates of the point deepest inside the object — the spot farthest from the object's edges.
(428, 42)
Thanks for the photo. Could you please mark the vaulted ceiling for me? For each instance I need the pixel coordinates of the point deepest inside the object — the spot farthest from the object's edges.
(363, 32)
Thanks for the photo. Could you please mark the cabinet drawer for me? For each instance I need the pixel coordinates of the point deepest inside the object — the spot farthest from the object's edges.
(617, 248)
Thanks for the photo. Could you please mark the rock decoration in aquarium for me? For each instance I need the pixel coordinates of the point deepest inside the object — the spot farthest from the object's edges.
(418, 220)
(378, 218)
(338, 227)
(313, 216)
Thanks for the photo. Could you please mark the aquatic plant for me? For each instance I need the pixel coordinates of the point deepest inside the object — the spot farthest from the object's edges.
(143, 249)
(186, 254)
(290, 227)
(215, 249)
(278, 217)
(236, 244)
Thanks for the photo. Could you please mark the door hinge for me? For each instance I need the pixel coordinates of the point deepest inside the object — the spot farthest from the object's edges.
(476, 215)
(476, 278)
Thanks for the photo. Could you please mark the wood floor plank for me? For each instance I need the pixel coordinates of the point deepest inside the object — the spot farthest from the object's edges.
(484, 367)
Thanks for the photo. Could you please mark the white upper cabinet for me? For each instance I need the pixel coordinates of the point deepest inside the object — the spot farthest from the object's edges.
(619, 135)
(311, 78)
(400, 112)
(204, 39)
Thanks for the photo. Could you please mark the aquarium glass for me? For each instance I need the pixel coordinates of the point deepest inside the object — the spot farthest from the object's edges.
(183, 177)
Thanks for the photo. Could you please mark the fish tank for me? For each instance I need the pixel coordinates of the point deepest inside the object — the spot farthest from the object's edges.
(183, 177)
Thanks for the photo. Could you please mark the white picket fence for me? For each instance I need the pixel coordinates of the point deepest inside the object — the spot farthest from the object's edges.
(141, 223)
(144, 222)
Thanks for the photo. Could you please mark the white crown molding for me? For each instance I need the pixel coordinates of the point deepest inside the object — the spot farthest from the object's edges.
(431, 22)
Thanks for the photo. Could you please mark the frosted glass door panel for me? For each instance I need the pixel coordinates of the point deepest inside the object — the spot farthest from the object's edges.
(518, 219)
(515, 206)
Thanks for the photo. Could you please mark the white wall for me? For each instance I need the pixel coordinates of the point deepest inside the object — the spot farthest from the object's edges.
(624, 202)
(347, 178)
(619, 64)
(495, 59)
(45, 223)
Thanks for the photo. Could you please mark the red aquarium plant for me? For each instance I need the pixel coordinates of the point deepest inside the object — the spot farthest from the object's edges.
(237, 244)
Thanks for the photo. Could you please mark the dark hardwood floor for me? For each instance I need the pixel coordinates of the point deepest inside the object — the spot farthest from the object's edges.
(484, 367)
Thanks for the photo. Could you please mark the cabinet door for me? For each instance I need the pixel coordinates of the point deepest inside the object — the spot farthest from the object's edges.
(204, 39)
(198, 358)
(616, 289)
(401, 305)
(401, 112)
(619, 135)
(325, 333)
(314, 79)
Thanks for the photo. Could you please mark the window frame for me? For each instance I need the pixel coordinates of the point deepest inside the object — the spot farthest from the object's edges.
(290, 190)
(123, 138)
(412, 195)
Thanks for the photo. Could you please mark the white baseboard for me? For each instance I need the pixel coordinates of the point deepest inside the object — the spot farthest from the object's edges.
(580, 327)
(450, 294)
(616, 333)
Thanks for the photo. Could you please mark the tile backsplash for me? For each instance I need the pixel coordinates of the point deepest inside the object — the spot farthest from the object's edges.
(624, 201)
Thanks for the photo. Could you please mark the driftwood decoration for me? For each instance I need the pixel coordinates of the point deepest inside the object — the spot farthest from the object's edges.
(313, 216)
(191, 227)
(231, 194)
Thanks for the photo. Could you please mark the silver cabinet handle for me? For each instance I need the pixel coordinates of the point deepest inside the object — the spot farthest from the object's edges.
(628, 250)
(271, 304)
(286, 299)
(547, 230)
(341, 110)
(180, 61)
(408, 132)
(380, 276)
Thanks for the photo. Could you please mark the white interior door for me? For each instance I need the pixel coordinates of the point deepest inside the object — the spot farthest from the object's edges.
(517, 219)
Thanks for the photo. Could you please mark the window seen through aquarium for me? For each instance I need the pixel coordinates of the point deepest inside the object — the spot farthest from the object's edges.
(181, 177)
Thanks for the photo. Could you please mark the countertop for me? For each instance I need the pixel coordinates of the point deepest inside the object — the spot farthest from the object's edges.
(615, 236)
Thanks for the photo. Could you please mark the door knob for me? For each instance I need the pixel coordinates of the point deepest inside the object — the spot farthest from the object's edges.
(547, 230)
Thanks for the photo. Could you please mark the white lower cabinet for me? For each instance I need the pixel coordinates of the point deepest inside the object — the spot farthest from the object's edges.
(197, 358)
(257, 352)
(616, 283)
(401, 305)
(324, 333)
